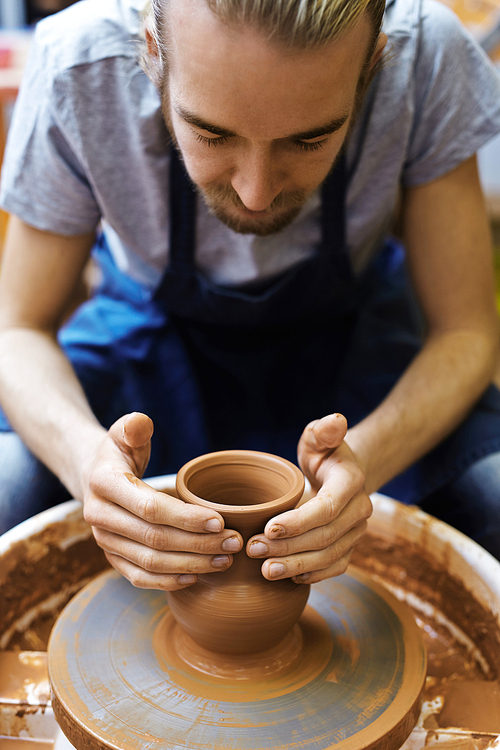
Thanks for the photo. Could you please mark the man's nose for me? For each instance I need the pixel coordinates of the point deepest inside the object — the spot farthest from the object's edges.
(258, 179)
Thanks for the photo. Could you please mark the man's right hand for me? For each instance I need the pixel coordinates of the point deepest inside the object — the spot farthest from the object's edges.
(155, 540)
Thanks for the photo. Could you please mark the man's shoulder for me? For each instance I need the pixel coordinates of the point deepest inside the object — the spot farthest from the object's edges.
(431, 19)
(87, 32)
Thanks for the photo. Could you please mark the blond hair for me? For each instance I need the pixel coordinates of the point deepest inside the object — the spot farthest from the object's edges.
(295, 24)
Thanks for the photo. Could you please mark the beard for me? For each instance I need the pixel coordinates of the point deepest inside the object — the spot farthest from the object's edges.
(220, 199)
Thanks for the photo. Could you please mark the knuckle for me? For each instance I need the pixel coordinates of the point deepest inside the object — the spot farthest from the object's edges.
(326, 536)
(342, 565)
(358, 476)
(99, 535)
(367, 507)
(155, 537)
(136, 578)
(330, 508)
(147, 560)
(362, 528)
(335, 552)
(94, 514)
(190, 516)
(147, 508)
(90, 514)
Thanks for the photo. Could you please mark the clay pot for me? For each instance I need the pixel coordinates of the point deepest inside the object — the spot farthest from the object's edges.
(238, 611)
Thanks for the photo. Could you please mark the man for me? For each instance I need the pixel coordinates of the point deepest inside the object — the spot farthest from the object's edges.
(271, 300)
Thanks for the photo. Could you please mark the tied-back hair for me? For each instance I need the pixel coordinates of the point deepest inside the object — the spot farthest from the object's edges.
(292, 24)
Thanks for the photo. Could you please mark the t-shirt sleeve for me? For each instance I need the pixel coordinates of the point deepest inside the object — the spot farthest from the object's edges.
(456, 97)
(43, 179)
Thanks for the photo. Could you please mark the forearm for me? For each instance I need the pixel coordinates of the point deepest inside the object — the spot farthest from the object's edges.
(431, 398)
(46, 405)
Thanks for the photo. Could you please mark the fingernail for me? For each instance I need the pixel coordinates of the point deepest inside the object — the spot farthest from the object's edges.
(258, 549)
(276, 569)
(220, 561)
(232, 544)
(213, 524)
(276, 531)
(185, 578)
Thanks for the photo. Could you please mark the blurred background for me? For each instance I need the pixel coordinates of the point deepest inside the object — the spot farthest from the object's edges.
(18, 17)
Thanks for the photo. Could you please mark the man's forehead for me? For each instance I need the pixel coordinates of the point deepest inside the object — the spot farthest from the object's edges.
(235, 79)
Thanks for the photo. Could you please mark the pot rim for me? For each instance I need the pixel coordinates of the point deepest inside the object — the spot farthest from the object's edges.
(244, 458)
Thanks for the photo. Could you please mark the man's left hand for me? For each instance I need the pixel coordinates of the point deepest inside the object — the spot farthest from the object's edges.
(315, 541)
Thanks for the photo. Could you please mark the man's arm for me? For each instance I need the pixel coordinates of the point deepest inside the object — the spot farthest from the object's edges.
(447, 237)
(145, 534)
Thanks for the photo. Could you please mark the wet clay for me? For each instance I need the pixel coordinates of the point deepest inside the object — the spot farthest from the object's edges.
(17, 743)
(39, 575)
(461, 637)
(23, 678)
(62, 557)
(117, 681)
(299, 659)
(238, 611)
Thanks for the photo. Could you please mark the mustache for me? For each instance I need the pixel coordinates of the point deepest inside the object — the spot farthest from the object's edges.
(217, 194)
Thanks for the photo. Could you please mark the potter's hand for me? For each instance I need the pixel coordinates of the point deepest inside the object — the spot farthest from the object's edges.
(155, 540)
(315, 541)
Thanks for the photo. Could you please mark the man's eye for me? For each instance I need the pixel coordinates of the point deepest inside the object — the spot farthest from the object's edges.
(217, 141)
(311, 146)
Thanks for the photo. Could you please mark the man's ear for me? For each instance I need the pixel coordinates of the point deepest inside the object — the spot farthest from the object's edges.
(379, 50)
(152, 58)
(151, 44)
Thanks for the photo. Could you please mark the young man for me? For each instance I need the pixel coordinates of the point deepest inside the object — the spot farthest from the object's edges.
(242, 194)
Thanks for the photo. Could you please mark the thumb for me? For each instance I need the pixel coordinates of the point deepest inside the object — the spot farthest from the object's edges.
(318, 440)
(132, 433)
(324, 434)
(137, 429)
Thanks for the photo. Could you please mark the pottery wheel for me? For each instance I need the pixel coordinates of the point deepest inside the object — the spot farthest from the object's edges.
(357, 685)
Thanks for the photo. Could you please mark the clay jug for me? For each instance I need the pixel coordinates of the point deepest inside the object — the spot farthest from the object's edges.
(238, 611)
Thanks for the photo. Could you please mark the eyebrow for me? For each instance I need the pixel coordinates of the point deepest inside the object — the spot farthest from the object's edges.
(198, 122)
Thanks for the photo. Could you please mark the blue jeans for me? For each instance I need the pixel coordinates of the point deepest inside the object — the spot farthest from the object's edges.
(470, 503)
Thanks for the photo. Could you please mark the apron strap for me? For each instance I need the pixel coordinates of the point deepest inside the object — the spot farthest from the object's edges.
(182, 212)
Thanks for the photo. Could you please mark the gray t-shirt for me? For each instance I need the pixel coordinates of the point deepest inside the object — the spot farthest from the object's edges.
(88, 144)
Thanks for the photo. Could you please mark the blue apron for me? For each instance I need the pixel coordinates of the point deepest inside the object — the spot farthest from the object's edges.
(248, 367)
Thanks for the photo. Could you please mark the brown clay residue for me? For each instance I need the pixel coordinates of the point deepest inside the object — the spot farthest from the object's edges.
(406, 566)
(463, 681)
(17, 743)
(350, 646)
(44, 566)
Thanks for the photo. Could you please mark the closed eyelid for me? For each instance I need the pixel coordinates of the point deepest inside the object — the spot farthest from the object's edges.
(214, 130)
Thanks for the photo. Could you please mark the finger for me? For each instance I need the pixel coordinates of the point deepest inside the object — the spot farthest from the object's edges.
(109, 517)
(129, 492)
(357, 510)
(337, 569)
(342, 485)
(143, 580)
(155, 561)
(308, 563)
(324, 434)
